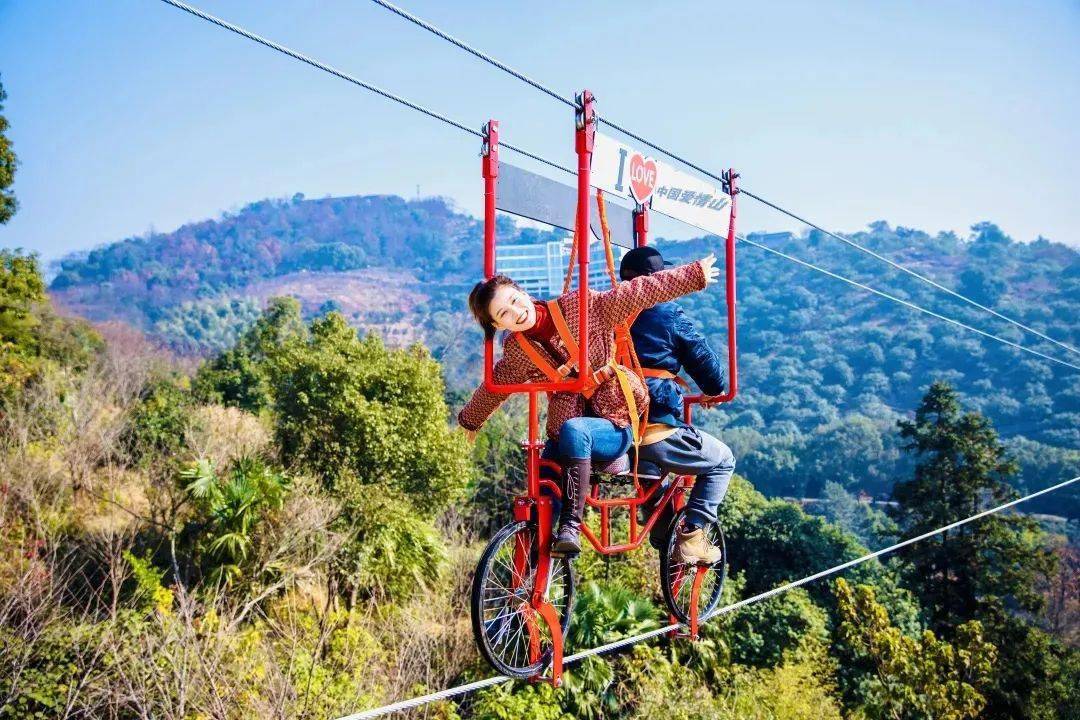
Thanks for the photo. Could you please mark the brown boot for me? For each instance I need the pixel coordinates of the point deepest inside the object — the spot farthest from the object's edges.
(695, 548)
(566, 540)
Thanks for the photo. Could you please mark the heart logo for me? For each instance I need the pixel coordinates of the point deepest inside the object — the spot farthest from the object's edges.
(642, 177)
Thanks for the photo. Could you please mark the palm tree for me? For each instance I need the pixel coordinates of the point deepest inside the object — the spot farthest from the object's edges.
(232, 507)
(602, 615)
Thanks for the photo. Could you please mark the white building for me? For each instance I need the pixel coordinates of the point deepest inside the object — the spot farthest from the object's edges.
(541, 267)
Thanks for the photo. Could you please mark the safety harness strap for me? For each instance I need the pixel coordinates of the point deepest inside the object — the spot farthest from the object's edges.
(538, 359)
(631, 403)
(564, 330)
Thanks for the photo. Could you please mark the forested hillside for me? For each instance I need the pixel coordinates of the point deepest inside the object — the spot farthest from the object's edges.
(290, 532)
(826, 369)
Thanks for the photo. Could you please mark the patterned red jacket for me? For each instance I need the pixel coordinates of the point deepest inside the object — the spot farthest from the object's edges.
(606, 310)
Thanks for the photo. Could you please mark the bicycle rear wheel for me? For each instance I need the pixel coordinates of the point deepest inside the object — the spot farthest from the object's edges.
(677, 578)
(509, 633)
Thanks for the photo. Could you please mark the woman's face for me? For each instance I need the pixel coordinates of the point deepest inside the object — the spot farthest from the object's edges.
(511, 309)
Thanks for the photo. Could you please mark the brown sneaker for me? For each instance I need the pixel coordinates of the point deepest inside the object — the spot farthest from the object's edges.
(694, 548)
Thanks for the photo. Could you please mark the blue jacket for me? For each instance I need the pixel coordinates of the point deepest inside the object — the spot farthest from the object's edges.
(666, 339)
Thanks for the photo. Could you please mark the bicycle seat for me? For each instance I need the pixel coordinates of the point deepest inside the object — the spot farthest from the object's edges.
(622, 467)
(618, 466)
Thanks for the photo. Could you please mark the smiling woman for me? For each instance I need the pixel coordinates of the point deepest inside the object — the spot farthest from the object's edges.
(500, 304)
(603, 419)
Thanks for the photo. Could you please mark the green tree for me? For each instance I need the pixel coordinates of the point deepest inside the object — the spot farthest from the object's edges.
(21, 289)
(370, 424)
(158, 424)
(962, 469)
(500, 466)
(215, 324)
(601, 615)
(916, 679)
(8, 163)
(987, 570)
(840, 451)
(872, 527)
(238, 376)
(395, 551)
(763, 634)
(350, 410)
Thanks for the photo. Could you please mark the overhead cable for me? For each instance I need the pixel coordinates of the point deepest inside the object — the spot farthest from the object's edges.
(461, 126)
(420, 22)
(907, 303)
(350, 78)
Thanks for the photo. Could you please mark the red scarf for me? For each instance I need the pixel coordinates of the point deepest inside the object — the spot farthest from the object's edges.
(544, 330)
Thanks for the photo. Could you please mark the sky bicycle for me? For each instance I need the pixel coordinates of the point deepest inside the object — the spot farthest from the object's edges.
(523, 595)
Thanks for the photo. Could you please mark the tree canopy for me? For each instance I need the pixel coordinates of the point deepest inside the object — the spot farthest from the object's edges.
(8, 163)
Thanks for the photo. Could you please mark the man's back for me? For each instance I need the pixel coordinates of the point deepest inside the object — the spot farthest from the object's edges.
(665, 339)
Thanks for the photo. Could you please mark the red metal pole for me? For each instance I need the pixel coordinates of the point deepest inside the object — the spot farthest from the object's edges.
(585, 135)
(641, 225)
(489, 164)
(532, 449)
(490, 167)
(733, 331)
(733, 334)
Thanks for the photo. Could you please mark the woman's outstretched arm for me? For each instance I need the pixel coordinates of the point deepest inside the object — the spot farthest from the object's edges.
(512, 367)
(632, 296)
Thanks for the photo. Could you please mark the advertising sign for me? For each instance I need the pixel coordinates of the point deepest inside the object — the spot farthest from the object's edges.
(623, 171)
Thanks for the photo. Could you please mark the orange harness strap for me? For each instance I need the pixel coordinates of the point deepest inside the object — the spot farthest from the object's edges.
(563, 329)
(570, 267)
(595, 379)
(539, 360)
(605, 230)
(665, 375)
(624, 345)
(631, 404)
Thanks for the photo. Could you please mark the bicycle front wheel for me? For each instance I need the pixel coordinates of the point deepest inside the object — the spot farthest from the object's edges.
(509, 633)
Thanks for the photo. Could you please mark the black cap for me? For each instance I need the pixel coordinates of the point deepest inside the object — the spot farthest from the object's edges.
(641, 261)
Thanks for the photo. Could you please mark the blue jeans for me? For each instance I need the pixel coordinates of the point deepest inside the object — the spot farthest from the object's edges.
(587, 437)
(584, 438)
(689, 451)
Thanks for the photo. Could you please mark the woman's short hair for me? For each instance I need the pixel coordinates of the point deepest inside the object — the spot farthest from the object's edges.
(480, 301)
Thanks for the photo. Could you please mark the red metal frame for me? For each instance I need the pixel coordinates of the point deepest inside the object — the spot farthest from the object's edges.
(733, 353)
(538, 501)
(585, 134)
(585, 130)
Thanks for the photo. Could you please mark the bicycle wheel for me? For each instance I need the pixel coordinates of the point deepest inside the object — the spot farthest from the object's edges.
(677, 578)
(504, 624)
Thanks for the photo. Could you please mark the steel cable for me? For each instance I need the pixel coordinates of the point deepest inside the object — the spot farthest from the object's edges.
(629, 133)
(618, 644)
(461, 126)
(633, 640)
(906, 303)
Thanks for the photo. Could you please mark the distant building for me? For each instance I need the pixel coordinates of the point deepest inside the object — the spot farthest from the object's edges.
(541, 267)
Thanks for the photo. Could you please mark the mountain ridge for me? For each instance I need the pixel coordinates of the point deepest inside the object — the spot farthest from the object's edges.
(825, 369)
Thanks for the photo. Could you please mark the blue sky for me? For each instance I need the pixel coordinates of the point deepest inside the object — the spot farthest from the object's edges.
(129, 115)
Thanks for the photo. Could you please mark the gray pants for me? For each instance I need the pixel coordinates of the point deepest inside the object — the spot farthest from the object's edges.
(689, 451)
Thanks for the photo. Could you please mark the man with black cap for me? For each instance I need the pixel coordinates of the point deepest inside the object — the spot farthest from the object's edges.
(667, 343)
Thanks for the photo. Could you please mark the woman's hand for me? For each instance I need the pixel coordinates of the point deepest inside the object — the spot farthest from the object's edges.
(470, 435)
(708, 266)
